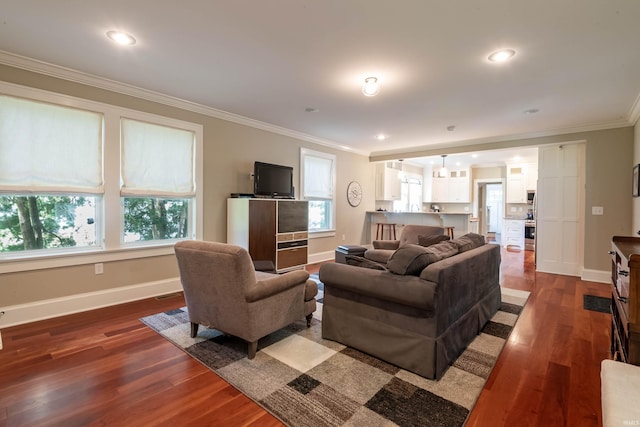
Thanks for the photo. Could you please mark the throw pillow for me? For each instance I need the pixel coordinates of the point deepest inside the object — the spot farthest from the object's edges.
(468, 241)
(412, 259)
(432, 239)
(359, 261)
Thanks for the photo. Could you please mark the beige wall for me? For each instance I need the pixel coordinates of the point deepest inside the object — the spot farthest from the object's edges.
(608, 182)
(229, 152)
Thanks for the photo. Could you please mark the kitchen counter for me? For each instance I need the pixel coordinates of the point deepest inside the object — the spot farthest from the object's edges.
(458, 220)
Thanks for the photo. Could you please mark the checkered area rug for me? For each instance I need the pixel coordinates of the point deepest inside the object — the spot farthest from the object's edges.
(305, 380)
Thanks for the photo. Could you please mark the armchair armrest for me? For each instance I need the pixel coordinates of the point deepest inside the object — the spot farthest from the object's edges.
(386, 244)
(278, 283)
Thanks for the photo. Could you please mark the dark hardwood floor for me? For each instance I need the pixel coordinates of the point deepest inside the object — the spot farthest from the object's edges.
(104, 367)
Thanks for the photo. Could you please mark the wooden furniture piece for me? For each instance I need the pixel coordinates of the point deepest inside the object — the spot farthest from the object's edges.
(273, 230)
(380, 230)
(625, 299)
(449, 231)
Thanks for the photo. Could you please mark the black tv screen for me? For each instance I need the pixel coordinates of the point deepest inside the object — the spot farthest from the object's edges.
(272, 180)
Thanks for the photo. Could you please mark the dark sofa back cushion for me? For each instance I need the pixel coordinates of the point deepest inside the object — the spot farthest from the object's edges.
(412, 259)
(432, 239)
(468, 241)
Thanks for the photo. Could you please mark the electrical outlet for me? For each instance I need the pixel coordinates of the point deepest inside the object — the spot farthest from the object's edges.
(343, 237)
(99, 268)
(597, 210)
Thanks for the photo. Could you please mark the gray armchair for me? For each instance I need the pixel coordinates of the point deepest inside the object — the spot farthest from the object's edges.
(383, 249)
(223, 291)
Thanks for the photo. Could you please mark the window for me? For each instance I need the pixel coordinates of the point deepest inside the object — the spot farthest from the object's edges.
(410, 194)
(158, 181)
(318, 176)
(50, 175)
(82, 177)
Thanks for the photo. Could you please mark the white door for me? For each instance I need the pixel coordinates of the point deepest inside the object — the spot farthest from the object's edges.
(560, 209)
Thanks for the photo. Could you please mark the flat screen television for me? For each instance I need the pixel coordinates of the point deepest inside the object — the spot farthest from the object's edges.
(271, 180)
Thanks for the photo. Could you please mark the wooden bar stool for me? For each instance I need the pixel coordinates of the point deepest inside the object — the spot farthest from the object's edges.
(380, 230)
(449, 231)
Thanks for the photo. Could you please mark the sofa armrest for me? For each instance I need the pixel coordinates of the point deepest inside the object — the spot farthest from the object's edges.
(267, 287)
(386, 244)
(405, 290)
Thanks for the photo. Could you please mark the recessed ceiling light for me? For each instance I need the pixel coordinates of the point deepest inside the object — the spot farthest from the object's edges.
(370, 86)
(451, 128)
(121, 38)
(531, 111)
(381, 137)
(502, 55)
(311, 110)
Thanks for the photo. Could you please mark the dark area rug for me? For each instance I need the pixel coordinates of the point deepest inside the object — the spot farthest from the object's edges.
(595, 303)
(305, 380)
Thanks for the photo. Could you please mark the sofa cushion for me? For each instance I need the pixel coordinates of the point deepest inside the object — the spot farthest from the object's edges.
(359, 261)
(468, 241)
(432, 239)
(412, 259)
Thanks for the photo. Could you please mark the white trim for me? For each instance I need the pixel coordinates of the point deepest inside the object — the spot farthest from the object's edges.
(52, 70)
(47, 309)
(321, 257)
(600, 276)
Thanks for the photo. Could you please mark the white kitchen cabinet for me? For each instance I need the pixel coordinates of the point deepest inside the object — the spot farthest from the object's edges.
(516, 184)
(454, 187)
(513, 233)
(531, 174)
(388, 186)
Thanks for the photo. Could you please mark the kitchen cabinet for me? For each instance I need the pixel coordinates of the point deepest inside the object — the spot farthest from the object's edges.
(513, 233)
(520, 178)
(453, 187)
(388, 186)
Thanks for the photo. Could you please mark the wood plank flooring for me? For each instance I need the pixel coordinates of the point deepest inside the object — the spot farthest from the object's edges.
(104, 367)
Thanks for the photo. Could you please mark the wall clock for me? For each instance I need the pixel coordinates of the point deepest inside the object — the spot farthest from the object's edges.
(354, 193)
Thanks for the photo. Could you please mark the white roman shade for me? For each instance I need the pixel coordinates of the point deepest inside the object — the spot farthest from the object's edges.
(46, 148)
(318, 177)
(157, 160)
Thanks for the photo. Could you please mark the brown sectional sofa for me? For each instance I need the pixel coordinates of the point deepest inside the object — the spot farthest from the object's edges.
(419, 322)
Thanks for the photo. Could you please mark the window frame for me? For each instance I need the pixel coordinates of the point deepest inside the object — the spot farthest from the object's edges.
(306, 152)
(112, 247)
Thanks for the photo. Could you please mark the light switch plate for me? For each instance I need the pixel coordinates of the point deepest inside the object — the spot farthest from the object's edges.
(597, 210)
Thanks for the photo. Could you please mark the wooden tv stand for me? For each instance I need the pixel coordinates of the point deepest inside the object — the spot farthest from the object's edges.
(625, 299)
(273, 230)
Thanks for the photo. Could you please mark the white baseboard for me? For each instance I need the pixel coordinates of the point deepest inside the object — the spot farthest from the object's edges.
(47, 309)
(596, 276)
(321, 257)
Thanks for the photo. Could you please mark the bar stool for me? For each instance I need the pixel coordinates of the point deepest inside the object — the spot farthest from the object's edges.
(380, 230)
(449, 231)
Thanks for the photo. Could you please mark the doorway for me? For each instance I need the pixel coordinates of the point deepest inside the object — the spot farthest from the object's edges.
(489, 208)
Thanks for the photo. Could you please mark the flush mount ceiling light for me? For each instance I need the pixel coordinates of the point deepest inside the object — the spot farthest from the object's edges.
(381, 137)
(370, 86)
(502, 55)
(121, 38)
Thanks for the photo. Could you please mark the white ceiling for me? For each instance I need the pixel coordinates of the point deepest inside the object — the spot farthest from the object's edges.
(577, 62)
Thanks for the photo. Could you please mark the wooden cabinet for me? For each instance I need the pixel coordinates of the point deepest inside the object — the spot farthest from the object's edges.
(513, 233)
(388, 186)
(625, 299)
(271, 230)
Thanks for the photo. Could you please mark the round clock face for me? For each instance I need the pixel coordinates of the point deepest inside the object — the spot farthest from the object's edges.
(354, 193)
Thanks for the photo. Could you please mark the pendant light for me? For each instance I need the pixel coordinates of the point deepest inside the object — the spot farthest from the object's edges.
(443, 171)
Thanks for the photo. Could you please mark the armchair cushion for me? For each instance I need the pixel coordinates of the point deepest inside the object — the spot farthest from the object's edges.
(274, 284)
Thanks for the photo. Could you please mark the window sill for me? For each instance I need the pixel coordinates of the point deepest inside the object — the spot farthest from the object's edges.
(89, 256)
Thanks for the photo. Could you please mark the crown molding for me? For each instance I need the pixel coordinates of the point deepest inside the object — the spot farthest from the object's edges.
(634, 113)
(475, 144)
(74, 76)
